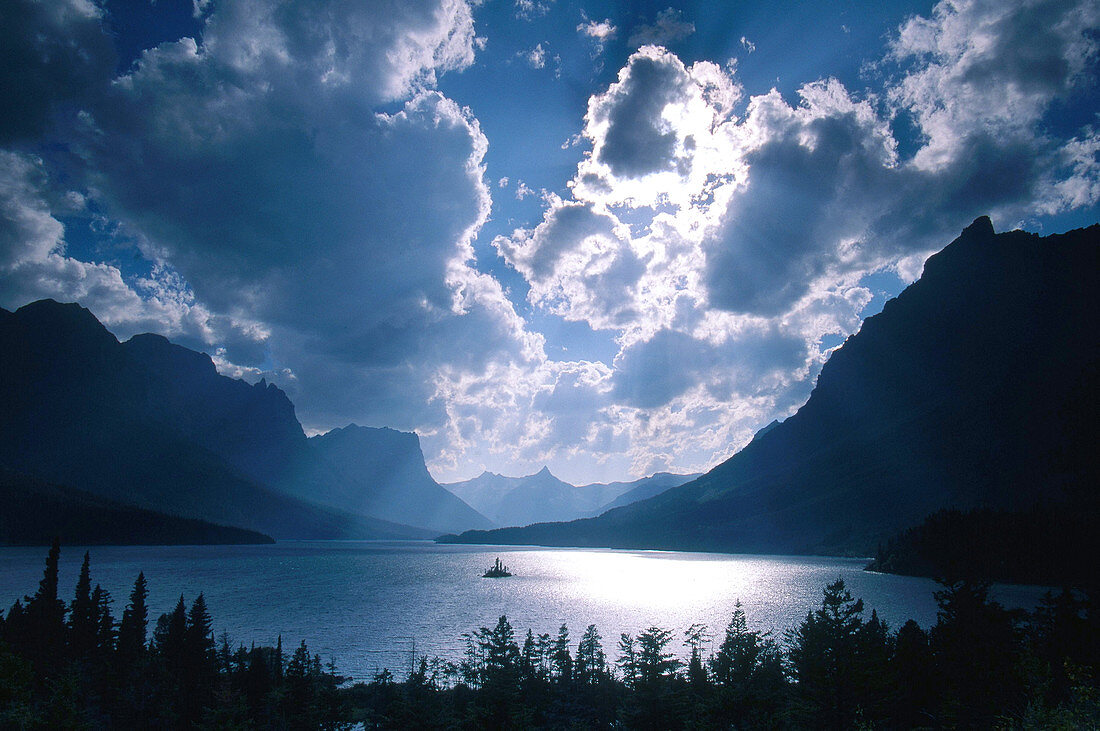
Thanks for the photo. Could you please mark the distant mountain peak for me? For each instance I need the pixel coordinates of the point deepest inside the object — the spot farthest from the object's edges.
(544, 472)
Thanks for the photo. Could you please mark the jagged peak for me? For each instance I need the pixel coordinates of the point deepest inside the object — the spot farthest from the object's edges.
(982, 227)
(352, 429)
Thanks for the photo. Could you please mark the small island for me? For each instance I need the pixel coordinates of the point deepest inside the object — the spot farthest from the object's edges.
(497, 571)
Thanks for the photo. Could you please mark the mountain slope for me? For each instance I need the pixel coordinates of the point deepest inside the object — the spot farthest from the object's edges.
(35, 512)
(644, 489)
(975, 388)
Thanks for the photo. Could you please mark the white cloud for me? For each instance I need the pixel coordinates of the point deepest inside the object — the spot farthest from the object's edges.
(599, 32)
(531, 9)
(536, 57)
(523, 190)
(991, 69)
(748, 45)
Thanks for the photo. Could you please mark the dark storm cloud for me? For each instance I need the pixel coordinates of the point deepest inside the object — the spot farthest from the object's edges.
(51, 54)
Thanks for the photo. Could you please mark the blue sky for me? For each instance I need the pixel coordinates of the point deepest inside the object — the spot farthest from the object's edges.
(608, 237)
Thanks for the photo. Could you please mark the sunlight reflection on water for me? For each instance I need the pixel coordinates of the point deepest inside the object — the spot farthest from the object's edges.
(375, 604)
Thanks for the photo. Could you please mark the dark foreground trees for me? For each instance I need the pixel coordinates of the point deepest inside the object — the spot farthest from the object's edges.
(71, 665)
(980, 666)
(85, 671)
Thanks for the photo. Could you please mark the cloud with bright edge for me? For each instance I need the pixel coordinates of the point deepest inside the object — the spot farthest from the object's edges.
(722, 239)
(274, 243)
(719, 238)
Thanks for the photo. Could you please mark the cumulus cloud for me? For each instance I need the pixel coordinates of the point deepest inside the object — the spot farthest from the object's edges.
(657, 131)
(287, 218)
(351, 242)
(989, 68)
(721, 249)
(34, 264)
(303, 195)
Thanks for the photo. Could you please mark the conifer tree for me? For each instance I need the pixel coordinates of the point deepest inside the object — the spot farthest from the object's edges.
(653, 662)
(300, 703)
(169, 637)
(736, 656)
(628, 659)
(591, 664)
(82, 629)
(42, 640)
(529, 659)
(545, 647)
(823, 655)
(135, 620)
(696, 638)
(200, 667)
(499, 647)
(102, 621)
(560, 657)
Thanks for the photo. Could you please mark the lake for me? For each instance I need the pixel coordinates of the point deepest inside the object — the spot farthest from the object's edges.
(371, 604)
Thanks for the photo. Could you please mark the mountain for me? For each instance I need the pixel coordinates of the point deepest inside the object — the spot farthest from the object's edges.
(644, 489)
(542, 497)
(530, 499)
(152, 424)
(35, 512)
(975, 388)
(382, 472)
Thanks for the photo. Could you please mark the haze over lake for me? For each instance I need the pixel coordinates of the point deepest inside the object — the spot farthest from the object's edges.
(373, 604)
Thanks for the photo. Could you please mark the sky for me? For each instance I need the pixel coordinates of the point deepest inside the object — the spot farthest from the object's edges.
(612, 238)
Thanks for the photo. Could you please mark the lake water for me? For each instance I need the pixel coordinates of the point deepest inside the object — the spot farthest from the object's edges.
(375, 604)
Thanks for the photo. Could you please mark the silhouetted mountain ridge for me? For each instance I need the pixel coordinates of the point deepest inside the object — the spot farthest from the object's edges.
(153, 424)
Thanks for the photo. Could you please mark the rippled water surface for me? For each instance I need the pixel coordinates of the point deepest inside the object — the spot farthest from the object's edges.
(375, 604)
